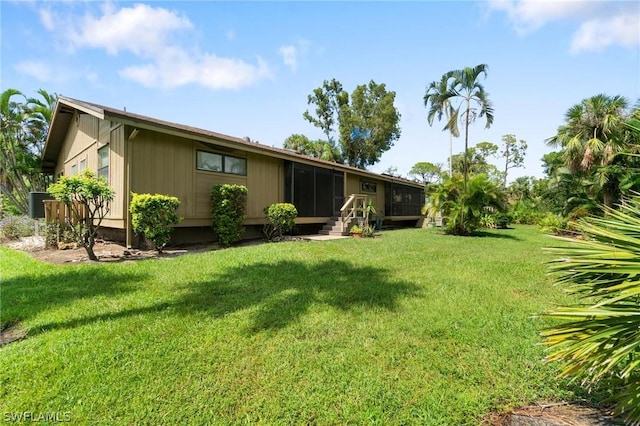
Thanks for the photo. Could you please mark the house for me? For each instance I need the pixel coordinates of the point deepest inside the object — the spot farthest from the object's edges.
(146, 155)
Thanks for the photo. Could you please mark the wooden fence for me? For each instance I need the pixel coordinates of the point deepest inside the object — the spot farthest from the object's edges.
(58, 212)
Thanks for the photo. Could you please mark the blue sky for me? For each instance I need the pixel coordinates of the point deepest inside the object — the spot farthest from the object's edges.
(246, 68)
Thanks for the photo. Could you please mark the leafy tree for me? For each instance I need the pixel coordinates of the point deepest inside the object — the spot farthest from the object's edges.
(317, 149)
(367, 121)
(154, 216)
(438, 101)
(426, 172)
(23, 128)
(477, 161)
(513, 152)
(88, 197)
(329, 101)
(593, 136)
(392, 171)
(599, 342)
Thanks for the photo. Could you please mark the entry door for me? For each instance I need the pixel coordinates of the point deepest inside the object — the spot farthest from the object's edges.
(338, 192)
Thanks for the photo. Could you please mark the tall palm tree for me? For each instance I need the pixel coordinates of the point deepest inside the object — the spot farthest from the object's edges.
(437, 100)
(593, 135)
(473, 103)
(23, 129)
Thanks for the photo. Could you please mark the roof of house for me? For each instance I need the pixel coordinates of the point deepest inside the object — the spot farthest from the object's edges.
(66, 107)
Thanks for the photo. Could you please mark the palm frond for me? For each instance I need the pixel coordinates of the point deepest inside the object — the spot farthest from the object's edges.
(602, 336)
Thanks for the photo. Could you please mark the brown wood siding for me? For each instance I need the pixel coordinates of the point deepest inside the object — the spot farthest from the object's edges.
(354, 187)
(79, 143)
(163, 164)
(265, 183)
(204, 182)
(116, 169)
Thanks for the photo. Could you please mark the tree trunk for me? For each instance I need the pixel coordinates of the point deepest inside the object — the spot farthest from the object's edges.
(89, 248)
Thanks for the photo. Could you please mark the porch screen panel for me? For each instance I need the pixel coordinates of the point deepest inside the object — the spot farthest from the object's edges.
(324, 192)
(405, 200)
(303, 189)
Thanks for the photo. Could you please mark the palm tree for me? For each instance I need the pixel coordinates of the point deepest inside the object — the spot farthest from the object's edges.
(437, 100)
(599, 340)
(474, 102)
(592, 137)
(23, 129)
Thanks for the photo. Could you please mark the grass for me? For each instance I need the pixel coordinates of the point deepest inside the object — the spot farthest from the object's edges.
(414, 327)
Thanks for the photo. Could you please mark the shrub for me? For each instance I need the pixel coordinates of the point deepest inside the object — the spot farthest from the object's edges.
(502, 220)
(153, 216)
(55, 233)
(599, 341)
(525, 213)
(355, 229)
(552, 223)
(463, 210)
(368, 231)
(281, 219)
(87, 196)
(488, 221)
(228, 204)
(15, 227)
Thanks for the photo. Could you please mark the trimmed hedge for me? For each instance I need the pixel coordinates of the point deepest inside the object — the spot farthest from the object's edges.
(281, 219)
(154, 216)
(228, 206)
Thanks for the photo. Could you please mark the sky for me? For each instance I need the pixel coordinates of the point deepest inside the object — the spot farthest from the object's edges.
(245, 69)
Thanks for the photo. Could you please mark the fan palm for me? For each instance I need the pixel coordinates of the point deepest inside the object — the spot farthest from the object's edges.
(602, 336)
(594, 134)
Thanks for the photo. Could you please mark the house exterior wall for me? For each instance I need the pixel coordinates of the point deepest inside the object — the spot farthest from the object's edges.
(166, 164)
(354, 186)
(153, 161)
(85, 136)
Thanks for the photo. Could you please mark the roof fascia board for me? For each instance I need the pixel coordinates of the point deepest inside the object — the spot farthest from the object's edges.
(98, 113)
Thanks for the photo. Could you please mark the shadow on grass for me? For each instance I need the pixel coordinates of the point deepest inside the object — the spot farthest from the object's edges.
(284, 291)
(25, 296)
(278, 294)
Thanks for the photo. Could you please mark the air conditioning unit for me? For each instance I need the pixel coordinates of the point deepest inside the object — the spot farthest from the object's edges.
(36, 205)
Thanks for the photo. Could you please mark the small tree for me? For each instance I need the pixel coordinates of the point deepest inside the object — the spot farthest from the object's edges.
(281, 219)
(153, 216)
(87, 197)
(228, 203)
(513, 152)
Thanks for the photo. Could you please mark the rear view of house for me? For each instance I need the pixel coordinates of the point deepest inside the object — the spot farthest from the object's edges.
(145, 155)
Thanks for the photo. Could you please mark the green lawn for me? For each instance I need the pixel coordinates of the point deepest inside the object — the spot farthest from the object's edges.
(414, 327)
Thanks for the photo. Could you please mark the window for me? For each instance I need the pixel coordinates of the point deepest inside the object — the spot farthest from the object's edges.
(210, 162)
(83, 164)
(368, 186)
(234, 165)
(74, 169)
(103, 162)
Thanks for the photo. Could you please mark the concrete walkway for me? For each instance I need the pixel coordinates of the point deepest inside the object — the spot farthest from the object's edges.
(318, 237)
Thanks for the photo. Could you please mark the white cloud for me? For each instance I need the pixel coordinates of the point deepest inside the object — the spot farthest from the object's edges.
(175, 68)
(289, 56)
(601, 23)
(141, 29)
(153, 35)
(597, 34)
(36, 69)
(293, 52)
